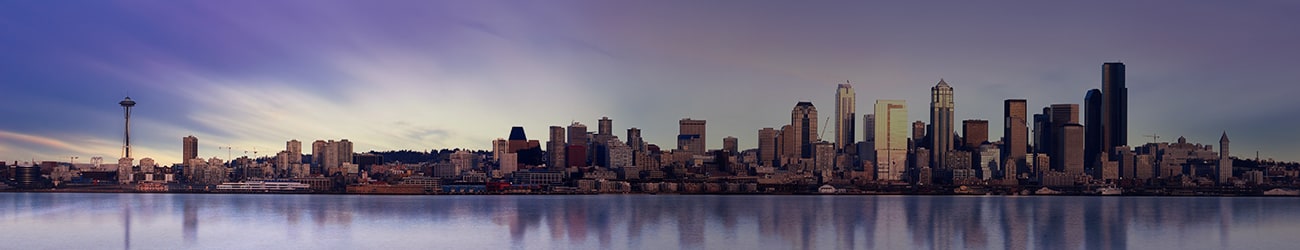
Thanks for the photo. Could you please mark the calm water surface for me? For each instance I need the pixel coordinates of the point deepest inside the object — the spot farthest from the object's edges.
(226, 221)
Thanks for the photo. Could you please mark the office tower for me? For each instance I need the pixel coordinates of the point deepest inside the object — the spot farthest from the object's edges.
(1114, 106)
(577, 134)
(987, 165)
(1225, 163)
(941, 109)
(1043, 131)
(918, 135)
(823, 156)
(845, 104)
(555, 148)
(691, 136)
(295, 151)
(1071, 149)
(634, 140)
(500, 147)
(976, 133)
(803, 118)
(1063, 115)
(767, 146)
(605, 126)
(1015, 134)
(126, 104)
(891, 139)
(785, 144)
(518, 139)
(1092, 126)
(729, 144)
(318, 156)
(189, 148)
(345, 152)
(869, 136)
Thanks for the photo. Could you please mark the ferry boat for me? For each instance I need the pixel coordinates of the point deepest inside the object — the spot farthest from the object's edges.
(826, 189)
(263, 187)
(1110, 191)
(1046, 191)
(1282, 192)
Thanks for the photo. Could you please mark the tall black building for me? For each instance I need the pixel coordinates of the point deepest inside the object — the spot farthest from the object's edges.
(1092, 142)
(1114, 107)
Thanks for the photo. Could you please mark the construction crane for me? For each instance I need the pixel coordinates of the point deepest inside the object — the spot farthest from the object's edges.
(822, 134)
(1153, 137)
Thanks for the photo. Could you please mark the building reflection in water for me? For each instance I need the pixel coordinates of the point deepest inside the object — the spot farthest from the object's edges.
(666, 221)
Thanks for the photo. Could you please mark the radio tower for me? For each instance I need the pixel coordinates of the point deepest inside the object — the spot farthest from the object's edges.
(126, 106)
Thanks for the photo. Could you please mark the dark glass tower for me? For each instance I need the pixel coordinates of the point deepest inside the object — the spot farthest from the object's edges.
(1114, 106)
(1092, 129)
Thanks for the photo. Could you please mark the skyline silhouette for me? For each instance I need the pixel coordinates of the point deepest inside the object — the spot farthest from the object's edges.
(421, 76)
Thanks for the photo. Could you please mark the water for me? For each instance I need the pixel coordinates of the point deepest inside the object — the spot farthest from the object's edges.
(241, 221)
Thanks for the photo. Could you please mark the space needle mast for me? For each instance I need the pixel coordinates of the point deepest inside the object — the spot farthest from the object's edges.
(126, 107)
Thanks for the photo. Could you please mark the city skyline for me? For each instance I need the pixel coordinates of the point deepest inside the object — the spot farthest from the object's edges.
(246, 81)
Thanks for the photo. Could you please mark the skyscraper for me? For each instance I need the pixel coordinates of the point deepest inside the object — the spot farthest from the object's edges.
(605, 127)
(891, 125)
(729, 144)
(976, 133)
(189, 148)
(577, 134)
(1015, 135)
(634, 140)
(1092, 139)
(690, 136)
(1063, 115)
(767, 146)
(941, 112)
(803, 118)
(1114, 106)
(1071, 149)
(295, 151)
(555, 148)
(1225, 162)
(844, 117)
(918, 135)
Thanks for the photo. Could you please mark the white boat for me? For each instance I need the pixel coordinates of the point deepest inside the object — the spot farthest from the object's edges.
(1046, 191)
(1282, 192)
(1110, 191)
(826, 189)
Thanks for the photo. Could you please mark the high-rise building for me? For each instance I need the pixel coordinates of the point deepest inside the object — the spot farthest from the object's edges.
(941, 121)
(294, 147)
(803, 118)
(1071, 149)
(1225, 162)
(1043, 132)
(1092, 127)
(605, 126)
(189, 148)
(577, 134)
(555, 148)
(845, 101)
(1015, 134)
(918, 135)
(976, 132)
(318, 156)
(1114, 106)
(767, 141)
(891, 125)
(869, 137)
(729, 144)
(345, 151)
(634, 140)
(1063, 115)
(691, 136)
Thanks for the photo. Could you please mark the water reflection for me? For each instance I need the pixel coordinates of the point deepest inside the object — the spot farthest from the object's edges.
(643, 221)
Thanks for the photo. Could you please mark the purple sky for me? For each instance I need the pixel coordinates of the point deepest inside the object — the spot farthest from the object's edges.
(457, 74)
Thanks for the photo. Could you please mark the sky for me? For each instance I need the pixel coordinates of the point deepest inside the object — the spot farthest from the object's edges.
(420, 75)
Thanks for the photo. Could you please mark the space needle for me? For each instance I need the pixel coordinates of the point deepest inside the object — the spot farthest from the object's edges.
(126, 106)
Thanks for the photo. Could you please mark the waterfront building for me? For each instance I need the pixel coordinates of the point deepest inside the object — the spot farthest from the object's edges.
(941, 121)
(891, 125)
(845, 105)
